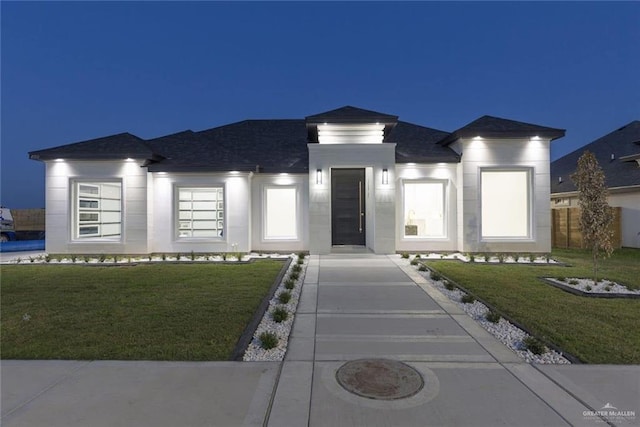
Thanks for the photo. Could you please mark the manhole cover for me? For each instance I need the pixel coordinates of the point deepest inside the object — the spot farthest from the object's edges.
(379, 379)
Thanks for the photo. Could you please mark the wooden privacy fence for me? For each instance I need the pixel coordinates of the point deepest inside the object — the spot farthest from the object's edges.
(565, 228)
(28, 219)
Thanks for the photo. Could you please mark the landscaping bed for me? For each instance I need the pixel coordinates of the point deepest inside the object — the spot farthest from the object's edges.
(595, 330)
(149, 311)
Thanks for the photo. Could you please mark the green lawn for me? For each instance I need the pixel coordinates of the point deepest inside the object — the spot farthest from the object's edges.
(596, 330)
(144, 312)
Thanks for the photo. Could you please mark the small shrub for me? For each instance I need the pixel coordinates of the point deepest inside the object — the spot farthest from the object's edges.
(18, 260)
(300, 261)
(607, 288)
(472, 258)
(573, 282)
(500, 258)
(224, 256)
(534, 345)
(102, 258)
(487, 257)
(268, 340)
(74, 257)
(449, 286)
(193, 256)
(492, 316)
(289, 284)
(436, 276)
(547, 257)
(279, 315)
(301, 255)
(422, 267)
(47, 258)
(284, 297)
(588, 288)
(164, 257)
(129, 259)
(415, 261)
(150, 257)
(86, 258)
(405, 255)
(516, 257)
(32, 259)
(294, 275)
(116, 258)
(178, 256)
(532, 257)
(467, 299)
(296, 268)
(561, 279)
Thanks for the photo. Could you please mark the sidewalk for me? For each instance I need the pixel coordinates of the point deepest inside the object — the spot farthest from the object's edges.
(352, 307)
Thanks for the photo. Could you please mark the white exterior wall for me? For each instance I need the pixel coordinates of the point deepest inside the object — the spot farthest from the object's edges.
(237, 212)
(483, 153)
(59, 178)
(447, 172)
(380, 199)
(258, 185)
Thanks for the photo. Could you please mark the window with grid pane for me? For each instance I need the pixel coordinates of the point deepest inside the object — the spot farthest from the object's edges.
(98, 210)
(200, 212)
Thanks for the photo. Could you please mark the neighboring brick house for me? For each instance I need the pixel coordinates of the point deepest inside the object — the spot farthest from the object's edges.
(347, 177)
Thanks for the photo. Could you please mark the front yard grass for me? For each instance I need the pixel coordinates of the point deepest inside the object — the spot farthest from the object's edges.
(143, 312)
(596, 330)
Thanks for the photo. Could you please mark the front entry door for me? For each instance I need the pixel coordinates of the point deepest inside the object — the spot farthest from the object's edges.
(347, 207)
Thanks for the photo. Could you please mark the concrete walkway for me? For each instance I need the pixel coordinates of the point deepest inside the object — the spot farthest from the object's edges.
(352, 306)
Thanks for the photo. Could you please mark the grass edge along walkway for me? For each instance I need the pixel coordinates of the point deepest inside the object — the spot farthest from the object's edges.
(594, 330)
(190, 312)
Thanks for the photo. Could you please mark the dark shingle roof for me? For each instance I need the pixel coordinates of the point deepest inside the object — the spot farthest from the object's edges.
(349, 114)
(271, 145)
(417, 144)
(120, 146)
(496, 127)
(621, 171)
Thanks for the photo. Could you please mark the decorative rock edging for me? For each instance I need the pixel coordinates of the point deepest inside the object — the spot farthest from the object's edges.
(254, 351)
(597, 291)
(539, 260)
(505, 330)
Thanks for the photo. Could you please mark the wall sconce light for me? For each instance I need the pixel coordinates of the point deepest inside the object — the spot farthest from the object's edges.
(385, 176)
(319, 176)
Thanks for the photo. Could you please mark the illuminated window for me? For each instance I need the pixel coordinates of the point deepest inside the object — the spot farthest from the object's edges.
(280, 221)
(200, 212)
(98, 210)
(424, 209)
(505, 202)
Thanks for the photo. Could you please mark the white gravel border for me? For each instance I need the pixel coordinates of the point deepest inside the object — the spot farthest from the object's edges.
(255, 352)
(604, 287)
(504, 331)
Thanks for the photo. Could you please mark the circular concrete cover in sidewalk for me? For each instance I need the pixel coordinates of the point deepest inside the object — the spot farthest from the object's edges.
(380, 379)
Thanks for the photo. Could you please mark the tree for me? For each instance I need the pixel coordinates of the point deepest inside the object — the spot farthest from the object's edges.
(596, 216)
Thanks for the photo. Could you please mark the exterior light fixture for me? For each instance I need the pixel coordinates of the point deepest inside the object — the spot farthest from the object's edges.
(319, 176)
(385, 176)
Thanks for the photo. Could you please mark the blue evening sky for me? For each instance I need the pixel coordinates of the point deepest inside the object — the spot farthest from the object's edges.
(73, 71)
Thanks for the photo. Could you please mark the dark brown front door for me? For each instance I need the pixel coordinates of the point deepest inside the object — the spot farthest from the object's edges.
(347, 207)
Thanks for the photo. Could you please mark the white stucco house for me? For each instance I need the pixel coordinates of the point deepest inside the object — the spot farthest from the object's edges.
(618, 154)
(347, 177)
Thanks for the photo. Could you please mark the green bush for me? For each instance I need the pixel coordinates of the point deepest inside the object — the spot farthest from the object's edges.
(436, 276)
(301, 255)
(300, 261)
(449, 286)
(296, 268)
(588, 287)
(268, 340)
(492, 316)
(573, 282)
(193, 256)
(607, 288)
(534, 345)
(415, 261)
(467, 299)
(284, 297)
(405, 255)
(422, 267)
(289, 284)
(472, 258)
(294, 275)
(102, 258)
(279, 315)
(561, 279)
(501, 258)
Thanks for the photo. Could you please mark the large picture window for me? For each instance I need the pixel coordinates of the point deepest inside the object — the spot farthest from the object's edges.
(98, 210)
(424, 209)
(506, 203)
(200, 212)
(281, 215)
